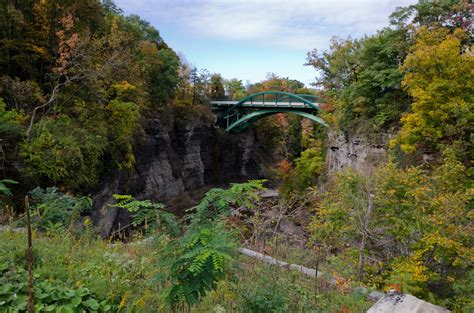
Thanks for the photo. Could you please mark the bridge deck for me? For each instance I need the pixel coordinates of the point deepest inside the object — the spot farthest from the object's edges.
(261, 104)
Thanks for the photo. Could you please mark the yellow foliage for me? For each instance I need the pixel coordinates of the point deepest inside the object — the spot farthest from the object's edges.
(123, 86)
(123, 301)
(440, 78)
(420, 229)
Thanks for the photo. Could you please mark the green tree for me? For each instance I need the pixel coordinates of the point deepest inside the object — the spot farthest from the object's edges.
(217, 87)
(235, 89)
(450, 14)
(124, 117)
(11, 132)
(365, 77)
(162, 77)
(79, 75)
(10, 121)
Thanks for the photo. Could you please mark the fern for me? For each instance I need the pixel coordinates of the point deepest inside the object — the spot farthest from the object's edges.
(218, 202)
(4, 189)
(148, 214)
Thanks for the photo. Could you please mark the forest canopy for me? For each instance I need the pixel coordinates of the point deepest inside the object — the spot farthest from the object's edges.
(77, 80)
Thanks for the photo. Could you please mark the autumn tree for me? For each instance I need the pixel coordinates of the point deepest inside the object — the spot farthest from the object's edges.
(417, 234)
(439, 78)
(79, 75)
(162, 73)
(363, 76)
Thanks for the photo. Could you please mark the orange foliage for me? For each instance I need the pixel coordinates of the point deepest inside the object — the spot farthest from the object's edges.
(306, 126)
(342, 284)
(394, 286)
(344, 309)
(284, 167)
(282, 120)
(66, 44)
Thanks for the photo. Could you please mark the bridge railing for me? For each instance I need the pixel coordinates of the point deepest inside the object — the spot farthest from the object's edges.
(271, 99)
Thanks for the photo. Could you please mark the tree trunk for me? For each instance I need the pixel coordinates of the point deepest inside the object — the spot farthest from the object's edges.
(29, 257)
(365, 229)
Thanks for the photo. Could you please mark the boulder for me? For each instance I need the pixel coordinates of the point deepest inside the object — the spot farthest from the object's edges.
(269, 194)
(396, 302)
(289, 228)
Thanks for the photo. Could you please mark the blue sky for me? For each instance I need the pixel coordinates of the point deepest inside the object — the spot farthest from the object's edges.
(247, 39)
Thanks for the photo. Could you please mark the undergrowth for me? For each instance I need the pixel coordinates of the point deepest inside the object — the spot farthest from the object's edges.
(126, 277)
(199, 271)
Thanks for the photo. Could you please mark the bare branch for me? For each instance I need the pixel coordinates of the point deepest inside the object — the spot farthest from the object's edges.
(36, 109)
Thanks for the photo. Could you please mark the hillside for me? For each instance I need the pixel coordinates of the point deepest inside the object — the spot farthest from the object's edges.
(121, 183)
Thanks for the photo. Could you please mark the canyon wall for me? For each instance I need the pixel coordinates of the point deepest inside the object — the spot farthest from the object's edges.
(357, 151)
(174, 159)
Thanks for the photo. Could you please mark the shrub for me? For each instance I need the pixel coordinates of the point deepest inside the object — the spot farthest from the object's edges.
(148, 214)
(309, 166)
(5, 197)
(10, 125)
(123, 275)
(63, 152)
(418, 226)
(54, 210)
(267, 298)
(124, 117)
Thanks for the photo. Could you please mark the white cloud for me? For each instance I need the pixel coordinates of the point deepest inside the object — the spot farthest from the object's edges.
(298, 24)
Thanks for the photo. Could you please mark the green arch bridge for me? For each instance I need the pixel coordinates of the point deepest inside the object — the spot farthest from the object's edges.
(238, 115)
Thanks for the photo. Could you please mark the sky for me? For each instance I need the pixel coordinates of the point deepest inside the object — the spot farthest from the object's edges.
(248, 39)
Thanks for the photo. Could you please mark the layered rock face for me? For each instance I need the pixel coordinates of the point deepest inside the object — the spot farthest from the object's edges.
(358, 152)
(174, 159)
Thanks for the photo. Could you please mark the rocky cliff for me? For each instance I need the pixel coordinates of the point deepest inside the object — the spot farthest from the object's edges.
(175, 158)
(356, 151)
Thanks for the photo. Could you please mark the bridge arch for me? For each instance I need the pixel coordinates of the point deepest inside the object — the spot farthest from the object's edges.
(238, 115)
(246, 120)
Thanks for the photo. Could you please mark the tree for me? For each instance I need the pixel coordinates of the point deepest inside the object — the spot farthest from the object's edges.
(142, 30)
(365, 78)
(77, 74)
(273, 82)
(11, 132)
(409, 226)
(200, 85)
(450, 14)
(364, 75)
(235, 89)
(337, 67)
(24, 40)
(439, 78)
(217, 87)
(184, 88)
(162, 73)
